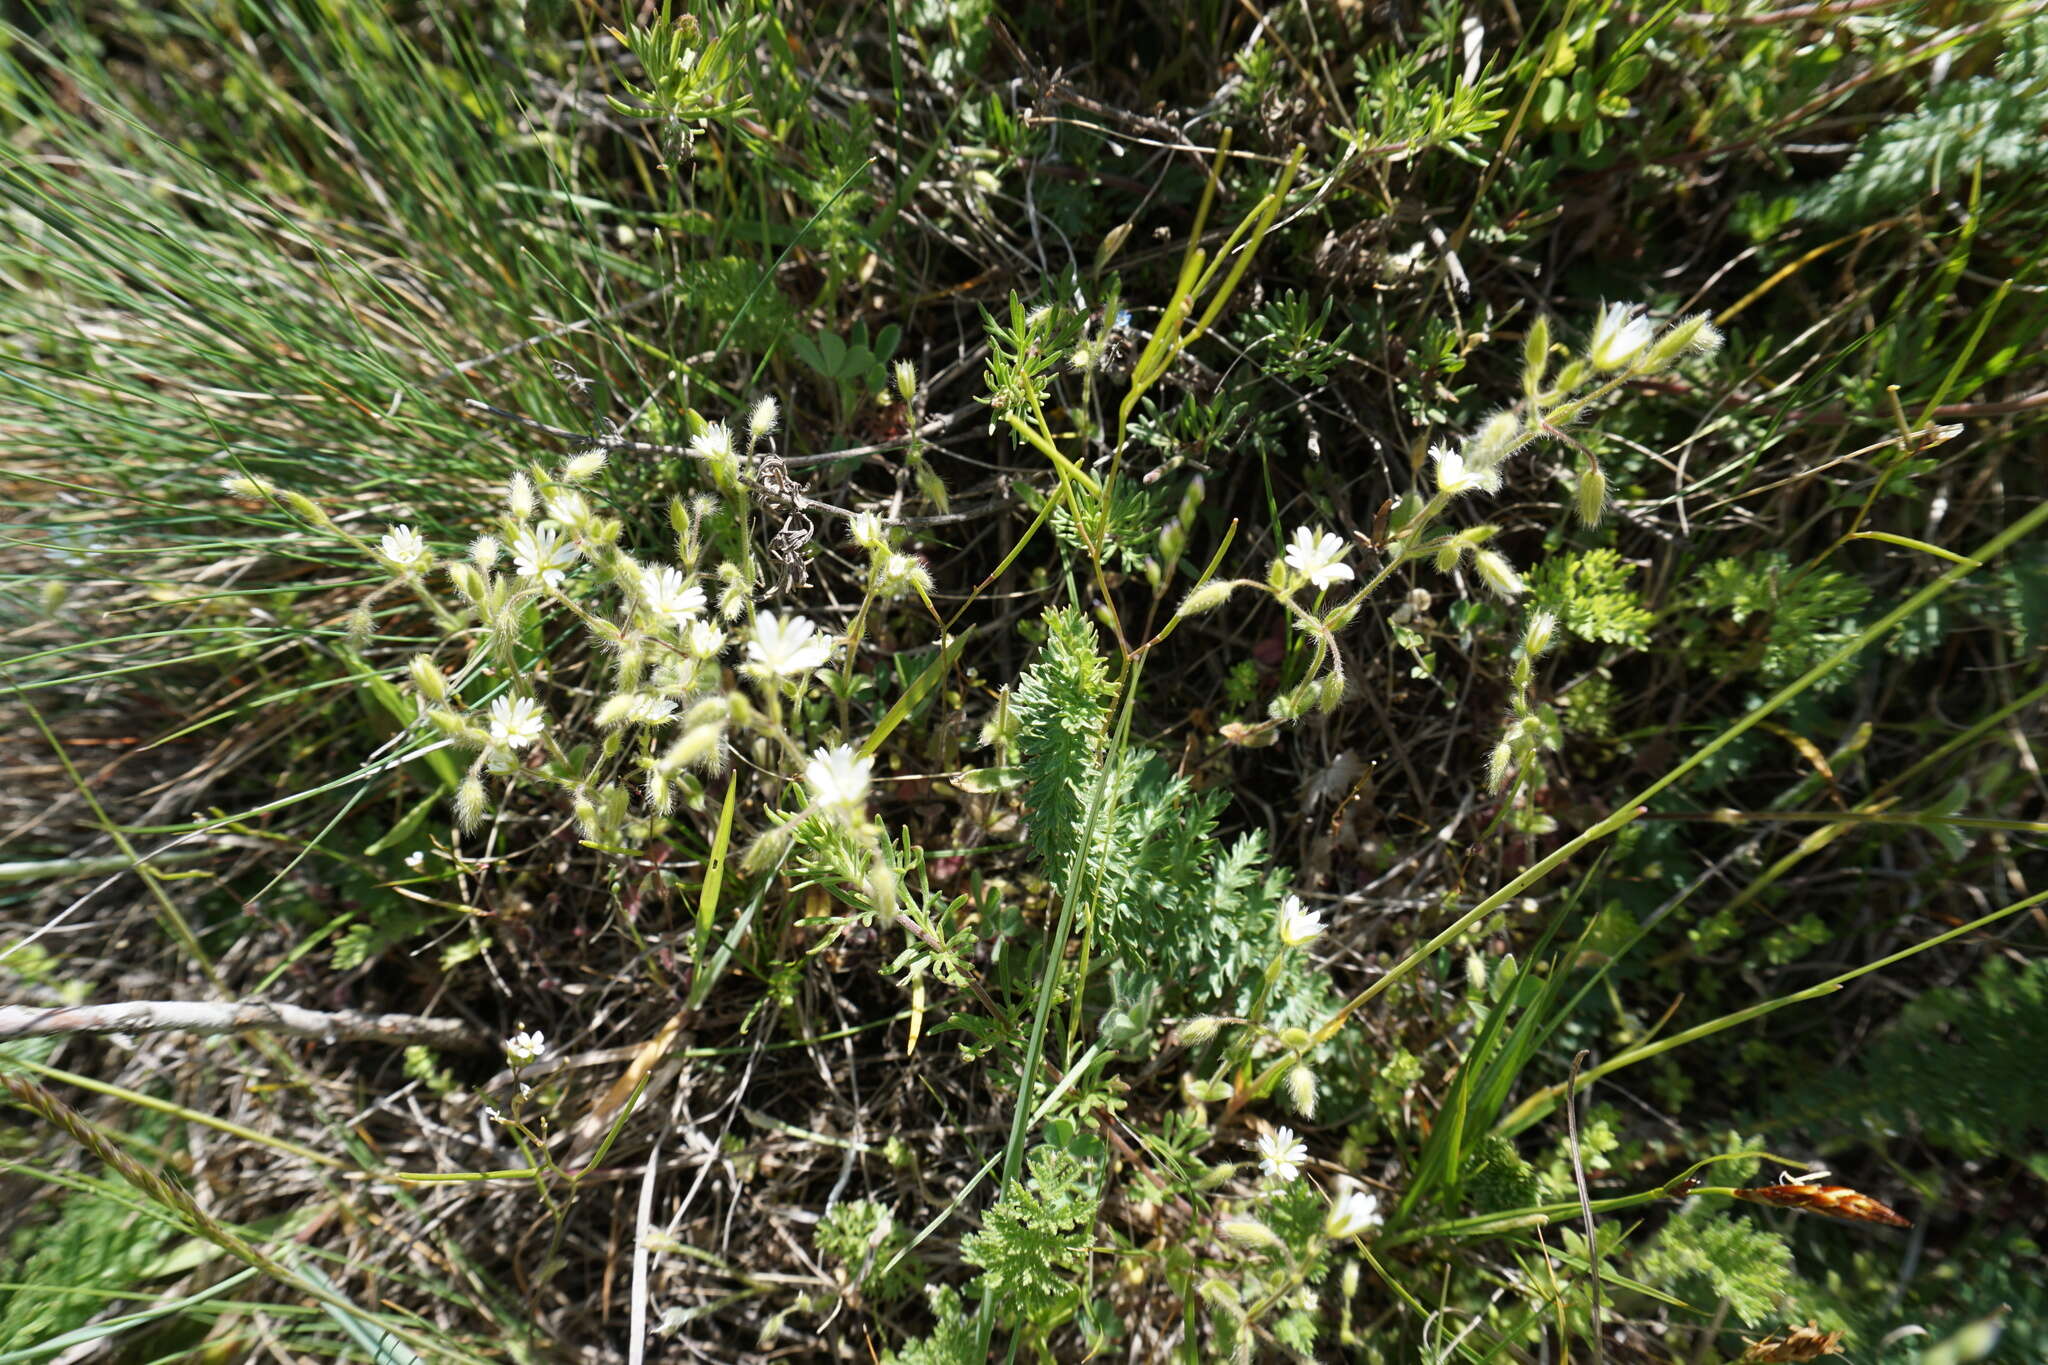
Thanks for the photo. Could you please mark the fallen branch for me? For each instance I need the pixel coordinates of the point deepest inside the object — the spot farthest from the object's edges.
(179, 1016)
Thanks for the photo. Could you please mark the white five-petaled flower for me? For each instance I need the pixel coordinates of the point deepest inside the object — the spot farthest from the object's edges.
(1352, 1213)
(1318, 556)
(670, 595)
(525, 1047)
(787, 645)
(405, 549)
(838, 778)
(865, 530)
(1455, 476)
(1619, 336)
(1298, 923)
(1281, 1154)
(714, 443)
(516, 722)
(702, 639)
(650, 710)
(539, 552)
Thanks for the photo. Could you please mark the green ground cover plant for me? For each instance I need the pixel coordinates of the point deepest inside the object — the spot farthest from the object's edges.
(916, 682)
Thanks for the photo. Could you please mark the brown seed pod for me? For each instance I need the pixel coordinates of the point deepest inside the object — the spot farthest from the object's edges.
(1836, 1201)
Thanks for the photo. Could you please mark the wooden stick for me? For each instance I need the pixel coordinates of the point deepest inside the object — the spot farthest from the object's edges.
(181, 1016)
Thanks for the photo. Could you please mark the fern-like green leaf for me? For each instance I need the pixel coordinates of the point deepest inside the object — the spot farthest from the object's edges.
(1036, 1237)
(1590, 595)
(1963, 125)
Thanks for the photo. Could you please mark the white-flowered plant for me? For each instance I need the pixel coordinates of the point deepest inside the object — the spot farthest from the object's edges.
(1352, 1214)
(539, 552)
(525, 1048)
(405, 551)
(838, 781)
(1299, 924)
(671, 595)
(1318, 556)
(786, 646)
(671, 626)
(1281, 1155)
(1624, 346)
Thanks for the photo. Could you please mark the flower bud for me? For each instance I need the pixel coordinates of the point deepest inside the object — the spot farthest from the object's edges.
(470, 802)
(1250, 1231)
(1541, 635)
(1208, 597)
(1497, 574)
(519, 497)
(1690, 336)
(307, 508)
(1331, 693)
(1497, 765)
(1591, 496)
(1301, 1091)
(1195, 1032)
(1498, 437)
(428, 678)
(580, 467)
(906, 380)
(1535, 356)
(248, 486)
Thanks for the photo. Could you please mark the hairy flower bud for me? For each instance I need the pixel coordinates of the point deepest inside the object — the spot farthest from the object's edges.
(470, 802)
(1535, 356)
(1301, 1091)
(1497, 574)
(519, 497)
(427, 678)
(1208, 597)
(1590, 498)
(581, 467)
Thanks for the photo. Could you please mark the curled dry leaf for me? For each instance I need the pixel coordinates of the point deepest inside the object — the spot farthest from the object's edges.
(1801, 1343)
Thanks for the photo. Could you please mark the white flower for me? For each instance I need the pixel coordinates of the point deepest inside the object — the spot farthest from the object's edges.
(670, 595)
(787, 645)
(643, 708)
(405, 550)
(1619, 336)
(539, 552)
(901, 575)
(1454, 476)
(524, 1048)
(838, 777)
(1318, 557)
(568, 508)
(1354, 1212)
(1298, 924)
(416, 860)
(517, 722)
(702, 639)
(1281, 1154)
(865, 530)
(714, 444)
